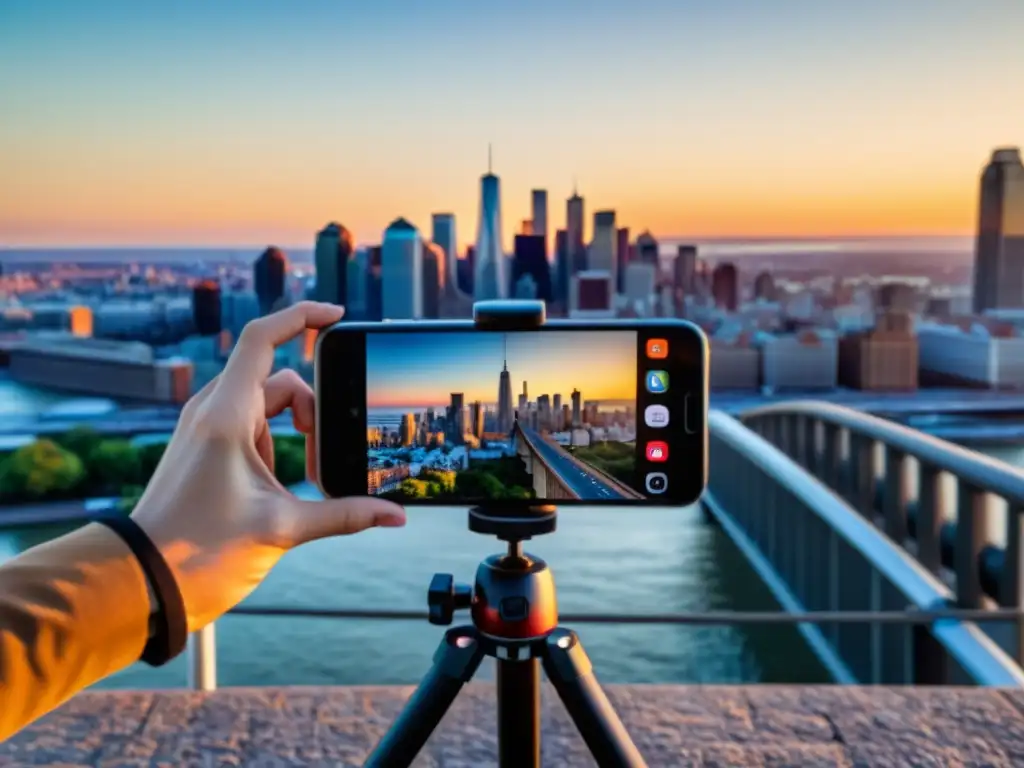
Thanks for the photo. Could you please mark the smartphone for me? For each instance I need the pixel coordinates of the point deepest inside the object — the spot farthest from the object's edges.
(568, 412)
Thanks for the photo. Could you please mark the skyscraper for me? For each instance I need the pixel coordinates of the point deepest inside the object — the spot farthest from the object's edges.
(477, 425)
(489, 280)
(374, 289)
(529, 261)
(999, 250)
(725, 286)
(764, 286)
(603, 248)
(685, 269)
(563, 268)
(332, 255)
(458, 416)
(577, 417)
(269, 276)
(622, 250)
(647, 249)
(505, 413)
(206, 308)
(574, 233)
(402, 272)
(407, 429)
(539, 204)
(443, 233)
(433, 279)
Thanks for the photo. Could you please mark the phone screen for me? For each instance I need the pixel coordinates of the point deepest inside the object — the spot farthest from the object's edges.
(555, 415)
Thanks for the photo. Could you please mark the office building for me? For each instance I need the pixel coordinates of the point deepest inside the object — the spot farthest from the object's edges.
(883, 358)
(647, 250)
(433, 279)
(529, 261)
(357, 285)
(971, 355)
(603, 252)
(685, 270)
(101, 367)
(808, 360)
(489, 281)
(999, 249)
(270, 272)
(237, 308)
(624, 252)
(897, 297)
(725, 287)
(764, 287)
(640, 287)
(506, 414)
(574, 212)
(539, 210)
(443, 233)
(457, 418)
(563, 266)
(407, 429)
(591, 295)
(402, 272)
(374, 286)
(577, 413)
(206, 307)
(477, 419)
(331, 256)
(734, 365)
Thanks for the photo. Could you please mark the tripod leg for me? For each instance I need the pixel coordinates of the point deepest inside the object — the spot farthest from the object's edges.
(572, 674)
(518, 713)
(455, 662)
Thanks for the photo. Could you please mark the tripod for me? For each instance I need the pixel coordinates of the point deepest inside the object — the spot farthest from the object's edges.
(515, 621)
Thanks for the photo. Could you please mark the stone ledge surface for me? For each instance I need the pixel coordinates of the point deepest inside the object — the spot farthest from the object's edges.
(672, 726)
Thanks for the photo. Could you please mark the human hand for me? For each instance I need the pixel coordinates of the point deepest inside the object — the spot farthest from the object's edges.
(213, 507)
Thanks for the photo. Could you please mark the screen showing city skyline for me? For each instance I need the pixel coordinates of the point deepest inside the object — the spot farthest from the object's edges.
(471, 416)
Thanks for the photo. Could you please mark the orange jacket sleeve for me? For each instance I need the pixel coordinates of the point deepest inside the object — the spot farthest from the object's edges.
(72, 611)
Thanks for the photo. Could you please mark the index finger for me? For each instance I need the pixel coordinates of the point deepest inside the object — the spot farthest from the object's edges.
(253, 357)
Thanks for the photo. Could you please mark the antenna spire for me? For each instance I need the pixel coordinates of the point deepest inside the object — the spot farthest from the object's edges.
(504, 352)
(574, 187)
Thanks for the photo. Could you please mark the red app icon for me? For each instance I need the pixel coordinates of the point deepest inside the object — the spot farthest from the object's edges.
(657, 451)
(657, 349)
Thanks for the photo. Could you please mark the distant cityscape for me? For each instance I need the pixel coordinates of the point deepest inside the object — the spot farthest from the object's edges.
(155, 332)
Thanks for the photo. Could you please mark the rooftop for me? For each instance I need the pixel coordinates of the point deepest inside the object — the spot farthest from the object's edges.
(671, 725)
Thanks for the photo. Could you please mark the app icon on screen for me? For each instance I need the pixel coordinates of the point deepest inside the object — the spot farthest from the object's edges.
(657, 349)
(657, 482)
(657, 451)
(656, 416)
(657, 381)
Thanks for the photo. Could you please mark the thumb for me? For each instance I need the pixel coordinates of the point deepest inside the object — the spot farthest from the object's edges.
(340, 517)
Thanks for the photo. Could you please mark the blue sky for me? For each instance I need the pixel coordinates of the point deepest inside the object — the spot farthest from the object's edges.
(247, 122)
(418, 369)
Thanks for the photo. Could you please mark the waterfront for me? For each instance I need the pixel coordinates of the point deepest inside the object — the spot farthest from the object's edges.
(623, 561)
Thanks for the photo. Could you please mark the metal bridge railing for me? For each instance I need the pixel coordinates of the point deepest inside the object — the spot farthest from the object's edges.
(915, 482)
(816, 553)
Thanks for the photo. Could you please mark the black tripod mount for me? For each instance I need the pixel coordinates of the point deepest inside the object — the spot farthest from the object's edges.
(515, 621)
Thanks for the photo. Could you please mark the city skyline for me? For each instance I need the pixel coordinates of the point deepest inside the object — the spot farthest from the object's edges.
(715, 125)
(406, 370)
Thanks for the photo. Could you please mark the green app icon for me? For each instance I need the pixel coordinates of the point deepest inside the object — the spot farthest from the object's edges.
(657, 381)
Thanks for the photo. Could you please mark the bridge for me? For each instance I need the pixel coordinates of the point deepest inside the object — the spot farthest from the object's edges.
(557, 474)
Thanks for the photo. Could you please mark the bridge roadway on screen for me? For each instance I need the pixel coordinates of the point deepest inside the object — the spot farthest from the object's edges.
(557, 474)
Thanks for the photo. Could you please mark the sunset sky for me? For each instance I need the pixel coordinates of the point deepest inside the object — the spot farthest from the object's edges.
(419, 369)
(249, 122)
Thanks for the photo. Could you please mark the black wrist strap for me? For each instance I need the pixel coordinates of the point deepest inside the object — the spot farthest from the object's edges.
(170, 630)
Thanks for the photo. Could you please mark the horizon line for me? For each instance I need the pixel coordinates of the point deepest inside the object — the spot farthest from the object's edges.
(697, 239)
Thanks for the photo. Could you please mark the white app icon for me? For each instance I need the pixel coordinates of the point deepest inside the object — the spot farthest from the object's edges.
(656, 416)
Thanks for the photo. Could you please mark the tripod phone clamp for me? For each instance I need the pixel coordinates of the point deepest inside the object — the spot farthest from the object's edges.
(514, 613)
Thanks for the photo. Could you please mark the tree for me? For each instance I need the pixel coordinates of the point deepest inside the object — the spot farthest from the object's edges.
(81, 441)
(149, 458)
(39, 471)
(289, 462)
(114, 464)
(473, 484)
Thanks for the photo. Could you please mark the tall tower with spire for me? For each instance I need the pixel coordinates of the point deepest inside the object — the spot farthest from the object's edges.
(574, 232)
(505, 415)
(489, 281)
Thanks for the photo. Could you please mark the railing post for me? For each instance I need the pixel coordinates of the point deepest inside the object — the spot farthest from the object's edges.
(931, 508)
(202, 659)
(862, 491)
(829, 472)
(897, 494)
(971, 533)
(1011, 590)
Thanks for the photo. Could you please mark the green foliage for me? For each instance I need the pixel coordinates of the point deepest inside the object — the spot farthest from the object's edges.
(289, 461)
(130, 496)
(149, 458)
(80, 441)
(40, 470)
(613, 458)
(112, 465)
